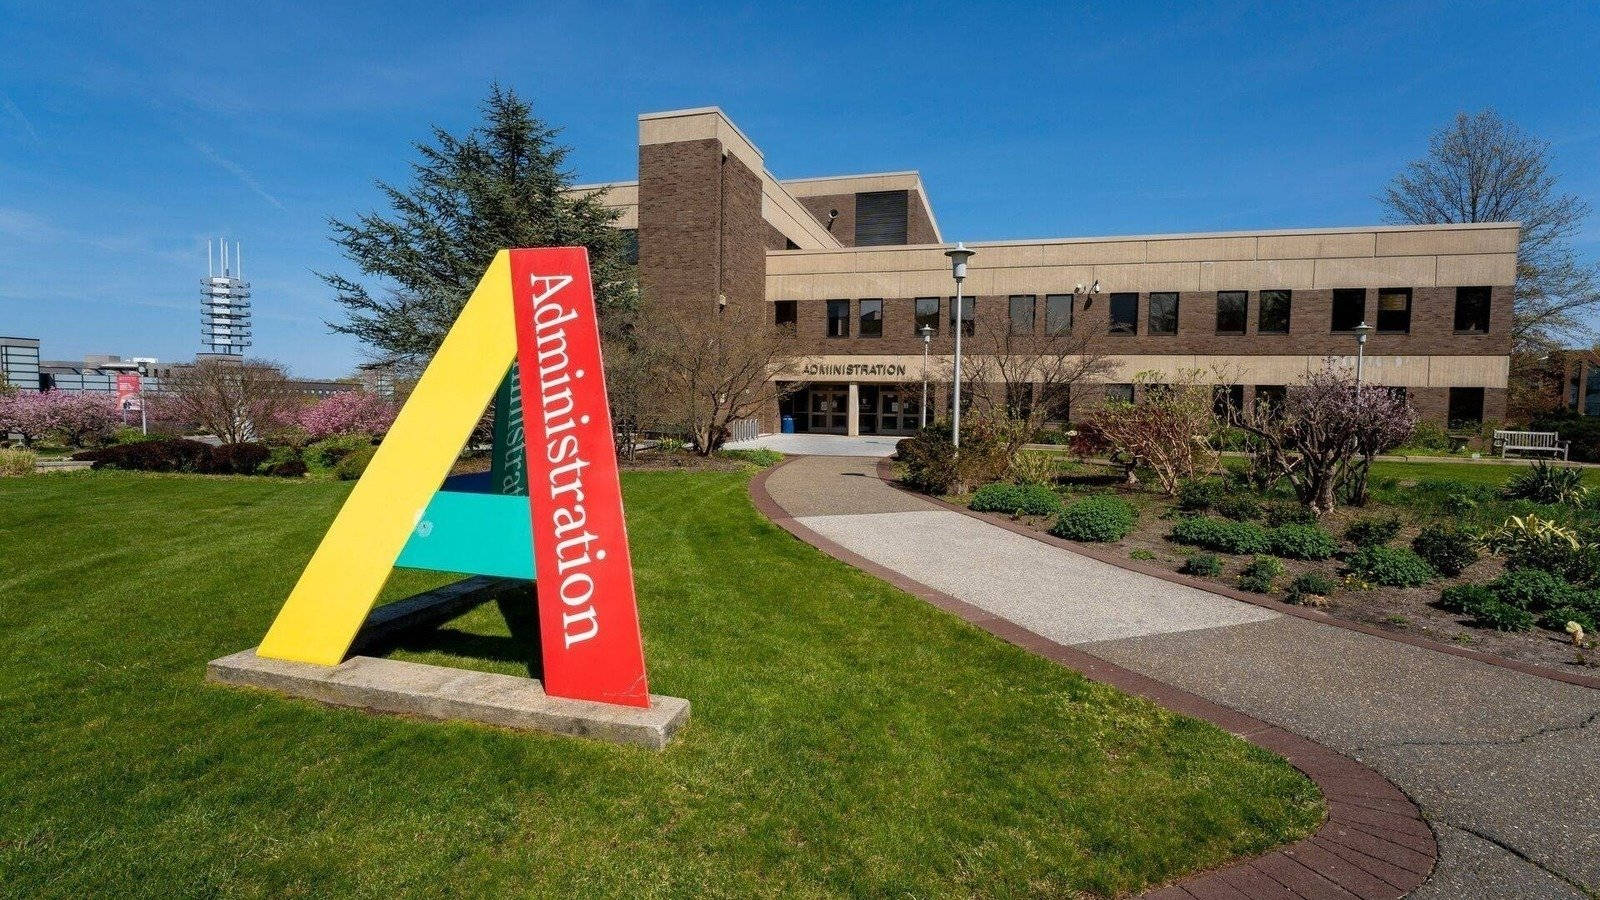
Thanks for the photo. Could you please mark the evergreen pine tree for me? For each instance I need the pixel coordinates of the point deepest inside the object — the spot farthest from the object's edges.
(501, 185)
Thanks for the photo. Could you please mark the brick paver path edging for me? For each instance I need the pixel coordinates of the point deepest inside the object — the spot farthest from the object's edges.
(1374, 842)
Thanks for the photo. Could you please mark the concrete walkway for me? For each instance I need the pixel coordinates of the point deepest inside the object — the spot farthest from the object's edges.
(1505, 766)
(877, 445)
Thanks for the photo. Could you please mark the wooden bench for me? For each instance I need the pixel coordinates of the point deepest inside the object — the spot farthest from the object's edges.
(1531, 442)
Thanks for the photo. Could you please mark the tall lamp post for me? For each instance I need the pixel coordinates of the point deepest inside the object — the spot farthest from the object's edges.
(959, 254)
(1361, 331)
(927, 338)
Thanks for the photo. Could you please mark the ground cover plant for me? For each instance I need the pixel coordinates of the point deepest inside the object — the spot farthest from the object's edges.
(847, 739)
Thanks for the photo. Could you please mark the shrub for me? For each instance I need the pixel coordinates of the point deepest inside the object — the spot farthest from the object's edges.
(1005, 497)
(1142, 554)
(1557, 619)
(1313, 584)
(1301, 542)
(328, 452)
(1373, 531)
(127, 434)
(1201, 564)
(1259, 575)
(933, 467)
(1429, 436)
(1501, 616)
(1546, 483)
(1463, 598)
(1038, 467)
(289, 468)
(1392, 566)
(1200, 495)
(1447, 548)
(1222, 535)
(166, 455)
(1532, 589)
(17, 462)
(1102, 518)
(347, 412)
(353, 464)
(236, 459)
(1582, 431)
(1240, 509)
(1289, 514)
(1529, 542)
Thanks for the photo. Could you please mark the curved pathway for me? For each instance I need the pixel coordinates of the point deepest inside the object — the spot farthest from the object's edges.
(1505, 766)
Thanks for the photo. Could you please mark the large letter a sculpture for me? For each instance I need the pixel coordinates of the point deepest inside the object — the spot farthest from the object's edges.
(537, 307)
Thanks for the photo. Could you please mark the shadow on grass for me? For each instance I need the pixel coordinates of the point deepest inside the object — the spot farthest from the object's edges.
(520, 647)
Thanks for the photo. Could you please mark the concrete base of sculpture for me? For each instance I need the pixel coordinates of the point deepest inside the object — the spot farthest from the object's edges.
(436, 692)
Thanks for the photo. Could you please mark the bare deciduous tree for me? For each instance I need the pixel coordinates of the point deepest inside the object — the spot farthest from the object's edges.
(1169, 431)
(236, 401)
(1482, 168)
(1021, 375)
(707, 371)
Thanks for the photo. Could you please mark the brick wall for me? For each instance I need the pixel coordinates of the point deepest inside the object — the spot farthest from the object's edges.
(919, 222)
(844, 227)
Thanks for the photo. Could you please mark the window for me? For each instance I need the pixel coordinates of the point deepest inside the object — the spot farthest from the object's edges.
(1394, 311)
(1466, 407)
(1019, 401)
(1119, 393)
(1124, 313)
(969, 312)
(1227, 400)
(1270, 396)
(785, 313)
(927, 314)
(1472, 310)
(1058, 314)
(838, 318)
(1349, 308)
(1022, 313)
(1162, 317)
(1058, 402)
(1273, 315)
(1231, 311)
(871, 318)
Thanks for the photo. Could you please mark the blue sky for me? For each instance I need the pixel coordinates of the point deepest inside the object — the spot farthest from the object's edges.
(131, 134)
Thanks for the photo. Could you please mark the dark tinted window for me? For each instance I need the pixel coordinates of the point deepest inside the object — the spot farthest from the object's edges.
(1472, 309)
(928, 313)
(1394, 310)
(1058, 314)
(1022, 313)
(880, 218)
(1270, 396)
(1273, 317)
(1349, 308)
(1124, 313)
(1119, 393)
(838, 318)
(969, 312)
(1163, 315)
(1466, 407)
(1231, 306)
(785, 313)
(871, 318)
(1226, 399)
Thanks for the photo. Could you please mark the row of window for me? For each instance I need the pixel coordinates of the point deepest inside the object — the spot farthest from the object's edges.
(1274, 310)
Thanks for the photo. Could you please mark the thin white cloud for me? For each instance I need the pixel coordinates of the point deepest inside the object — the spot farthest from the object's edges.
(236, 171)
(22, 121)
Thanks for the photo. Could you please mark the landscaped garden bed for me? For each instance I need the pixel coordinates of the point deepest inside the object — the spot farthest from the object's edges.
(1398, 562)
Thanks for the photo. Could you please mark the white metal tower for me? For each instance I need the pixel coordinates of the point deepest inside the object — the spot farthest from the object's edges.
(224, 303)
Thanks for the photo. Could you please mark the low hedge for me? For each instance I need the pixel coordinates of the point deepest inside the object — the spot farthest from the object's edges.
(354, 463)
(1373, 531)
(1221, 535)
(184, 455)
(1301, 542)
(1098, 519)
(1005, 497)
(1447, 548)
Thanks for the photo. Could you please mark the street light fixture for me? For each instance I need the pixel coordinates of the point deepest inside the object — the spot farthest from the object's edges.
(1361, 331)
(927, 338)
(959, 254)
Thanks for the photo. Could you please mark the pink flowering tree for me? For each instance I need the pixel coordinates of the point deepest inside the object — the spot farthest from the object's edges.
(77, 418)
(1326, 432)
(352, 412)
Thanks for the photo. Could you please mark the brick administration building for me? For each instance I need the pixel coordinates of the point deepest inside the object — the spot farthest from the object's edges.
(854, 265)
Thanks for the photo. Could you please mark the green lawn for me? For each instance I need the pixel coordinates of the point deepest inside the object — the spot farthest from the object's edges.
(1470, 472)
(846, 738)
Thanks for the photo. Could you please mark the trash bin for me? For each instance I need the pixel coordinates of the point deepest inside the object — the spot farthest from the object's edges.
(788, 424)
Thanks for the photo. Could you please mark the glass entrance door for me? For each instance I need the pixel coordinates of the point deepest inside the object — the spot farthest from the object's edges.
(899, 411)
(827, 411)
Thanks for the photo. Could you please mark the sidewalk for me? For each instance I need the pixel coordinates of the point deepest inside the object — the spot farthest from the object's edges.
(1505, 766)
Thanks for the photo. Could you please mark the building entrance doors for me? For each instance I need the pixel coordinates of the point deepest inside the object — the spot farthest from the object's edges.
(827, 409)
